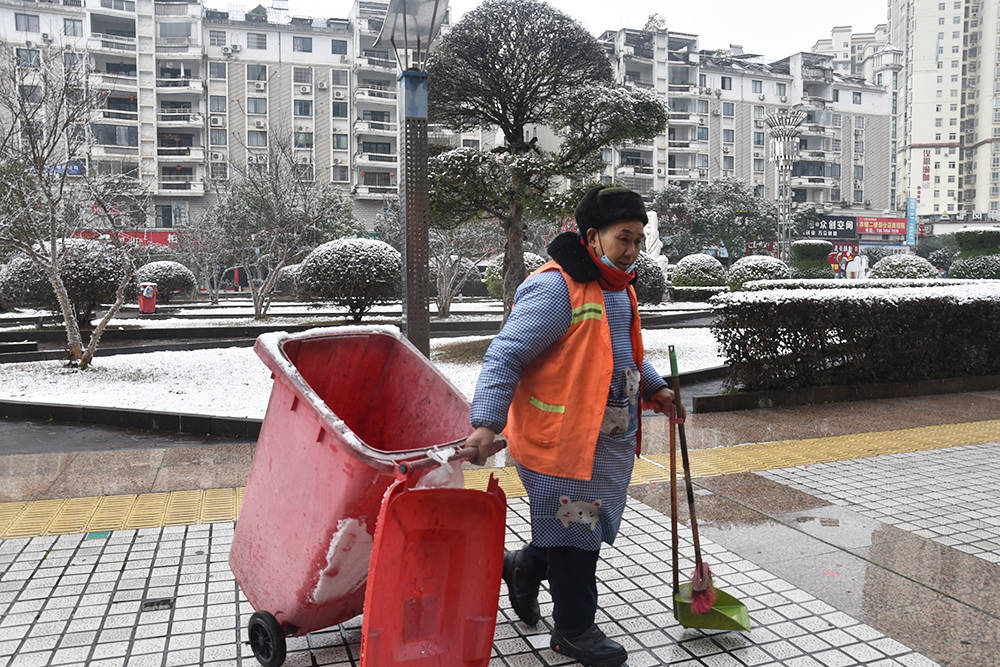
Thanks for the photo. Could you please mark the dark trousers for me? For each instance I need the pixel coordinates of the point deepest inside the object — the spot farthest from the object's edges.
(572, 577)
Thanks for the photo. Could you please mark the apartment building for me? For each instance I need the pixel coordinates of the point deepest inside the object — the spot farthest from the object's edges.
(718, 101)
(851, 49)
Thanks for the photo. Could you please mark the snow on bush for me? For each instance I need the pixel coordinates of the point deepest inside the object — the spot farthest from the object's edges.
(649, 281)
(811, 249)
(942, 258)
(876, 254)
(354, 273)
(699, 270)
(835, 283)
(903, 266)
(810, 260)
(169, 277)
(695, 294)
(976, 239)
(756, 267)
(90, 270)
(977, 266)
(287, 278)
(494, 272)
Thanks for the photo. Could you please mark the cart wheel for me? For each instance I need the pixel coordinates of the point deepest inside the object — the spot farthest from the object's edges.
(266, 639)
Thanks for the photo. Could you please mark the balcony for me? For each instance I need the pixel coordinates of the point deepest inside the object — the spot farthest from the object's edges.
(113, 81)
(816, 101)
(377, 159)
(116, 115)
(179, 85)
(685, 174)
(381, 64)
(104, 43)
(641, 169)
(685, 118)
(638, 83)
(376, 127)
(816, 131)
(178, 47)
(642, 52)
(813, 182)
(178, 117)
(180, 153)
(681, 88)
(378, 95)
(687, 146)
(375, 191)
(180, 185)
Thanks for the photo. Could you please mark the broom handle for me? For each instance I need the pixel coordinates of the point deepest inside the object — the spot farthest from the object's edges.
(684, 459)
(674, 543)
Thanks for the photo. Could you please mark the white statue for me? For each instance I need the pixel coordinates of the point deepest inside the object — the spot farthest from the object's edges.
(652, 229)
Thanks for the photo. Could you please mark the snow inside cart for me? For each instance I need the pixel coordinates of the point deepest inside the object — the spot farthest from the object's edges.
(348, 406)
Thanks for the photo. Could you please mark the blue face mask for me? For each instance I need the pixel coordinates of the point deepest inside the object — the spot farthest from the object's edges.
(630, 269)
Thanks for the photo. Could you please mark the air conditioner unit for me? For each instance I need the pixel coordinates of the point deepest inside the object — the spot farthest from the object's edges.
(216, 121)
(757, 154)
(303, 128)
(758, 123)
(259, 123)
(322, 85)
(337, 160)
(784, 98)
(718, 92)
(226, 50)
(716, 112)
(261, 159)
(218, 157)
(659, 171)
(28, 44)
(338, 94)
(701, 121)
(260, 86)
(725, 149)
(305, 159)
(236, 48)
(46, 37)
(305, 90)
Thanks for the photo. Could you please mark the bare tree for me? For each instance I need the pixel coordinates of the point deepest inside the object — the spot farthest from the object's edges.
(203, 247)
(455, 252)
(274, 213)
(49, 186)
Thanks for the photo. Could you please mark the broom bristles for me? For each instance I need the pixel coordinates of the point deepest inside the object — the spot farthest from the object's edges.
(702, 593)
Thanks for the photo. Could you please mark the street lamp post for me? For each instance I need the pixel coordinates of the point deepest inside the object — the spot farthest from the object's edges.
(784, 125)
(409, 27)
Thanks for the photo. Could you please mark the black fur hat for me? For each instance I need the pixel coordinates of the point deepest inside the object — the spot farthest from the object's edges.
(603, 205)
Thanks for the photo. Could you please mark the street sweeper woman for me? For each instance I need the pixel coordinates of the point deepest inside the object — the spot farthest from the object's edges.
(564, 380)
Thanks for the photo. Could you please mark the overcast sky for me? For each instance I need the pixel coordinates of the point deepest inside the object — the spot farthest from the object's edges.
(773, 28)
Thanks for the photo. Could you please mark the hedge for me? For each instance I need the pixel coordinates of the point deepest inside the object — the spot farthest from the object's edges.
(903, 266)
(787, 339)
(842, 283)
(810, 261)
(756, 267)
(698, 270)
(685, 294)
(649, 280)
(974, 239)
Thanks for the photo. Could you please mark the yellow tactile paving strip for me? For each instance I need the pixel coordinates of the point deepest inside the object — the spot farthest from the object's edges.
(148, 510)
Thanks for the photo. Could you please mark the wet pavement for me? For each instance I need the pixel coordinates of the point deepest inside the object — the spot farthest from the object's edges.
(876, 559)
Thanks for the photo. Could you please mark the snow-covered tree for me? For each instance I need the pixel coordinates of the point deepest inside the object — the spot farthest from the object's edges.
(699, 270)
(389, 223)
(455, 253)
(511, 64)
(810, 259)
(204, 246)
(169, 277)
(288, 279)
(903, 266)
(354, 273)
(50, 190)
(942, 258)
(493, 276)
(273, 214)
(649, 280)
(756, 267)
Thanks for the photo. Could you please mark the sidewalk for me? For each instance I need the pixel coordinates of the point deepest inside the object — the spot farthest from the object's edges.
(865, 535)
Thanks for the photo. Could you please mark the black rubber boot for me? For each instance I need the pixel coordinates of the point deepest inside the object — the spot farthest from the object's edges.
(591, 647)
(522, 588)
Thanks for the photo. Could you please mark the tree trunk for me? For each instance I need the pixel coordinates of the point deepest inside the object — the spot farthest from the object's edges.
(95, 337)
(445, 294)
(74, 342)
(513, 257)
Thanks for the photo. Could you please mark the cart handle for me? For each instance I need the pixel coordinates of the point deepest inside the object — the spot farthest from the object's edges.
(463, 454)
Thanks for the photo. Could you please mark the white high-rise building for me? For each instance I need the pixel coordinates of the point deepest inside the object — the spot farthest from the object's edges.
(850, 49)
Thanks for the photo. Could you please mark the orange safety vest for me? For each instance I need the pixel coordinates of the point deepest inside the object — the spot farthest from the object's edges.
(556, 414)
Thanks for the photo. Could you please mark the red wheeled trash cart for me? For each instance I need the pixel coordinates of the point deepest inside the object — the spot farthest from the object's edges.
(344, 510)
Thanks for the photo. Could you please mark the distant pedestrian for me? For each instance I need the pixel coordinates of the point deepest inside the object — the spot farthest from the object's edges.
(564, 380)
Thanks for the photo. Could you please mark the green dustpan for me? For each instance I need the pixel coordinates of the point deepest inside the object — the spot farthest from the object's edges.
(727, 613)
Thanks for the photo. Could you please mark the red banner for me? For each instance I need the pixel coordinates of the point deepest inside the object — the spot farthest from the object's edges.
(881, 225)
(137, 237)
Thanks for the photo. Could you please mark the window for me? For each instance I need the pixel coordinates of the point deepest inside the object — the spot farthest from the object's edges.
(836, 95)
(835, 145)
(71, 60)
(338, 47)
(702, 81)
(175, 30)
(303, 139)
(702, 106)
(120, 5)
(339, 109)
(26, 23)
(702, 161)
(758, 138)
(727, 83)
(782, 89)
(302, 74)
(338, 77)
(702, 134)
(470, 143)
(256, 40)
(219, 170)
(28, 57)
(340, 142)
(728, 162)
(257, 105)
(217, 103)
(758, 113)
(938, 122)
(859, 147)
(256, 72)
(757, 86)
(758, 165)
(216, 70)
(856, 97)
(859, 172)
(380, 147)
(303, 172)
(73, 27)
(217, 137)
(728, 136)
(256, 138)
(859, 122)
(859, 196)
(339, 174)
(303, 44)
(216, 37)
(303, 108)
(115, 135)
(728, 108)
(835, 120)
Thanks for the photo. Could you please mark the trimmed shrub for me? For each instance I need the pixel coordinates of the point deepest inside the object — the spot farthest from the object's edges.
(832, 283)
(696, 294)
(942, 258)
(91, 271)
(978, 239)
(170, 277)
(494, 272)
(785, 339)
(649, 281)
(287, 281)
(756, 267)
(977, 266)
(810, 260)
(699, 270)
(903, 266)
(875, 254)
(353, 273)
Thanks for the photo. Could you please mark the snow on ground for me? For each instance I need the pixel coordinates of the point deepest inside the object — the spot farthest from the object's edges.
(233, 382)
(24, 312)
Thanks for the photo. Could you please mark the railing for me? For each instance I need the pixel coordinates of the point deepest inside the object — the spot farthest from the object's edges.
(119, 5)
(179, 82)
(375, 126)
(192, 152)
(175, 182)
(684, 172)
(379, 63)
(116, 42)
(638, 82)
(680, 87)
(111, 79)
(179, 116)
(376, 189)
(643, 52)
(376, 93)
(693, 144)
(119, 114)
(377, 157)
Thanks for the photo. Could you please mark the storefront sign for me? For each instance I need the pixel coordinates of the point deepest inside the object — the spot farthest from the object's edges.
(137, 237)
(868, 225)
(911, 221)
(833, 227)
(762, 248)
